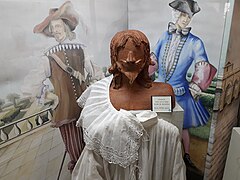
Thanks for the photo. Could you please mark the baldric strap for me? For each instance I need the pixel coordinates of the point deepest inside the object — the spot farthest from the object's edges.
(68, 69)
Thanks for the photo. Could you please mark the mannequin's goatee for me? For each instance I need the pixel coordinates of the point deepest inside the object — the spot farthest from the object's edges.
(131, 76)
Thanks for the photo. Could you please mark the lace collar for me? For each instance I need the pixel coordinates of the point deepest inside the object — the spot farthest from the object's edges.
(115, 135)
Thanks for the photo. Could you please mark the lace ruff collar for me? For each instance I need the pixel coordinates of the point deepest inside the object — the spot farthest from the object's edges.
(115, 135)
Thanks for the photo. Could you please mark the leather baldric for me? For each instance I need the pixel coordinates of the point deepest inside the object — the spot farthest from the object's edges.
(68, 69)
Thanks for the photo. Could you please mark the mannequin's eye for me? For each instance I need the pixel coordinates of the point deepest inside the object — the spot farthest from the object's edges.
(138, 61)
(122, 60)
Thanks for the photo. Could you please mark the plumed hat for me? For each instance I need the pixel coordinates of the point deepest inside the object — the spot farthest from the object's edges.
(64, 12)
(186, 6)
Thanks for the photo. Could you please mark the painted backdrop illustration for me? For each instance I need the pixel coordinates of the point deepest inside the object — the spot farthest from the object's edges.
(21, 49)
(47, 70)
(69, 70)
(174, 53)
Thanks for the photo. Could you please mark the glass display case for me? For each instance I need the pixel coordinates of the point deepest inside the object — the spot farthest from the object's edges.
(216, 25)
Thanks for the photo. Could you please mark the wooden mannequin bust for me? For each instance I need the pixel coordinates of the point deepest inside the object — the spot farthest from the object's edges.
(131, 87)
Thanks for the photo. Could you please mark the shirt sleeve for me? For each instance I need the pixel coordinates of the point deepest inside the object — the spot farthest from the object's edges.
(157, 49)
(33, 84)
(158, 46)
(81, 101)
(179, 169)
(199, 52)
(204, 71)
(92, 69)
(88, 65)
(83, 98)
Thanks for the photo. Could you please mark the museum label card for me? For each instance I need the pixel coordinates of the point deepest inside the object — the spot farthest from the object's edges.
(161, 103)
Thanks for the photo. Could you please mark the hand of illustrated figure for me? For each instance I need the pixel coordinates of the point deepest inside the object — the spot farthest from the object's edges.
(54, 97)
(203, 75)
(195, 91)
(153, 66)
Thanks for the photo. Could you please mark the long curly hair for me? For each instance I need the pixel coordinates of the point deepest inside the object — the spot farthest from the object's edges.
(117, 43)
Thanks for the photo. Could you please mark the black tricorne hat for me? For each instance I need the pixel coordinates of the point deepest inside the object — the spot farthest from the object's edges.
(186, 6)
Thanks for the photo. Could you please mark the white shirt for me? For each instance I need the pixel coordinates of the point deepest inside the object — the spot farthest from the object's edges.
(119, 143)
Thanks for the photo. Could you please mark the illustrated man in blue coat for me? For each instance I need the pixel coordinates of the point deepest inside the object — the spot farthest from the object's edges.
(174, 53)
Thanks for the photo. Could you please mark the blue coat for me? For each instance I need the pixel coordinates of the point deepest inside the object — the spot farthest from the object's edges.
(190, 50)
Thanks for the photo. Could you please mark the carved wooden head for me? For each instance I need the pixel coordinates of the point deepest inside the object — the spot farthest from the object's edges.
(130, 55)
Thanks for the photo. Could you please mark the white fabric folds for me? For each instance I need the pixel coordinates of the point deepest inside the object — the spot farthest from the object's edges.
(115, 135)
(125, 145)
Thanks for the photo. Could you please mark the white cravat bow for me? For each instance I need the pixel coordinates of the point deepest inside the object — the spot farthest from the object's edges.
(172, 28)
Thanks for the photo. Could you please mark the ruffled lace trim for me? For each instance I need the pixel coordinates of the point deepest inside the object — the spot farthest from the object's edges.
(108, 132)
(122, 158)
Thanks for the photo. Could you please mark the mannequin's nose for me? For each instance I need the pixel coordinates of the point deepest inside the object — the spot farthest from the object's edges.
(130, 57)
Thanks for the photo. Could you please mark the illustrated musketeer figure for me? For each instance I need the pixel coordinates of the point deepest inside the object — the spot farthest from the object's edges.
(69, 71)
